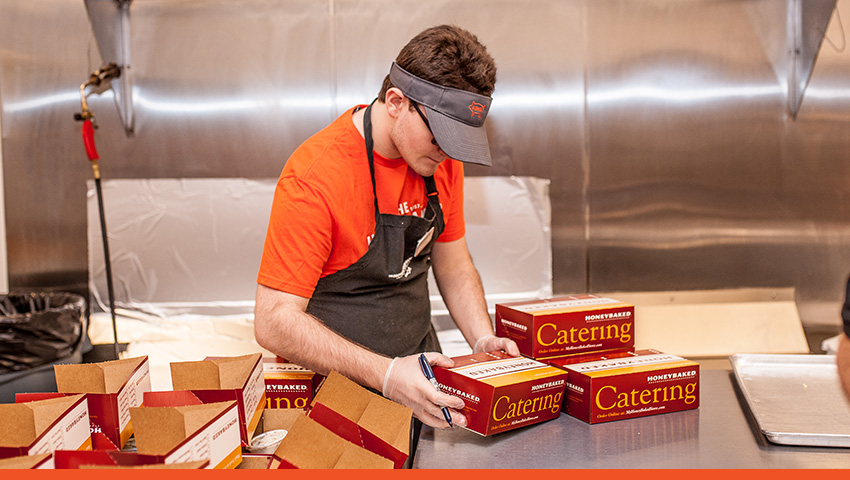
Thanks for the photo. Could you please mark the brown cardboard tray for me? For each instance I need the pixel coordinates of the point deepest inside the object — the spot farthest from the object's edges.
(795, 399)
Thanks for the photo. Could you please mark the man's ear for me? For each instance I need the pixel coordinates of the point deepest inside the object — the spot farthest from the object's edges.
(395, 102)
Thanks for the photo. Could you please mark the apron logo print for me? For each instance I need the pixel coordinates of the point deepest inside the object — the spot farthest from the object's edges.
(405, 270)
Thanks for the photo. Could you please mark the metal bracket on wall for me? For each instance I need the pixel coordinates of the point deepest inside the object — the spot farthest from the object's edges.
(806, 27)
(110, 22)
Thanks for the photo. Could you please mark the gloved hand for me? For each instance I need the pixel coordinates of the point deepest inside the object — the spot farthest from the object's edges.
(405, 383)
(490, 343)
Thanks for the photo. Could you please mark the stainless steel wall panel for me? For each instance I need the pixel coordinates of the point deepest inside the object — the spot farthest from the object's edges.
(684, 115)
(226, 88)
(662, 124)
(44, 56)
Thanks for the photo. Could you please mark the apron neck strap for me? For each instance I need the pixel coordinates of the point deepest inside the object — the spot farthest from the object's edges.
(430, 185)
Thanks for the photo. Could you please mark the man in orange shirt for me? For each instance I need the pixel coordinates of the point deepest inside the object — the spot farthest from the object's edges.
(363, 208)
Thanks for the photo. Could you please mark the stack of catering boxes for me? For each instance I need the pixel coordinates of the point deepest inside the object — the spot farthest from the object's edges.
(592, 339)
(105, 415)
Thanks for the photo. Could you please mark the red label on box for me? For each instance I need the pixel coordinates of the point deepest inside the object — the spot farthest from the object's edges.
(564, 360)
(503, 392)
(645, 383)
(289, 385)
(566, 325)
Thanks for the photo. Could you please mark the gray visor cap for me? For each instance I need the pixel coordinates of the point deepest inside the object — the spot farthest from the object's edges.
(456, 116)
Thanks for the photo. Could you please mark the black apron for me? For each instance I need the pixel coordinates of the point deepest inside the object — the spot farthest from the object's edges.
(381, 301)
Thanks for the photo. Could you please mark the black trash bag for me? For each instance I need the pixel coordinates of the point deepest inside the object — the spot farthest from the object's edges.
(39, 328)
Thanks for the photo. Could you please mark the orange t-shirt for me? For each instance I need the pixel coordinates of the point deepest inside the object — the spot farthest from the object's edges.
(323, 215)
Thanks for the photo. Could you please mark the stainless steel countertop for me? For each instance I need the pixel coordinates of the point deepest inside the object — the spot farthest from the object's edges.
(720, 434)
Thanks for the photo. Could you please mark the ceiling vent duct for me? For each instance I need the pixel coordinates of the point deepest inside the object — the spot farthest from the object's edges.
(110, 22)
(806, 28)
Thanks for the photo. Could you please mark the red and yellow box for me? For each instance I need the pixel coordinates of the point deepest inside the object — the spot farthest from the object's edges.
(177, 427)
(111, 389)
(566, 325)
(44, 426)
(502, 392)
(221, 379)
(646, 382)
(289, 385)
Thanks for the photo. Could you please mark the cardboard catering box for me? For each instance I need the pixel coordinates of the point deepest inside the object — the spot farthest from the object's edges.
(111, 388)
(566, 325)
(503, 392)
(188, 433)
(363, 418)
(310, 445)
(289, 385)
(220, 379)
(646, 382)
(44, 426)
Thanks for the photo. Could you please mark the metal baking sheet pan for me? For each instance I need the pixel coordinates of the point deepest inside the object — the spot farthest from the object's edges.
(795, 399)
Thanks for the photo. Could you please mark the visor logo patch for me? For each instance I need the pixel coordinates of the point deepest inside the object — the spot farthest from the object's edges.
(477, 109)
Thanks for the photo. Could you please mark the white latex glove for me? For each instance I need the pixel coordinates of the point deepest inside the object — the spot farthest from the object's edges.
(491, 343)
(405, 383)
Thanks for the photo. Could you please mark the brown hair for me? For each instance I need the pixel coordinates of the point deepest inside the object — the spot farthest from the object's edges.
(449, 56)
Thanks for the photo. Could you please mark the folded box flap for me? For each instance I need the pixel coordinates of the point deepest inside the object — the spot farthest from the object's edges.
(214, 373)
(117, 372)
(363, 418)
(234, 372)
(18, 425)
(159, 429)
(195, 417)
(280, 418)
(355, 457)
(104, 377)
(343, 396)
(80, 378)
(199, 375)
(310, 445)
(389, 421)
(47, 412)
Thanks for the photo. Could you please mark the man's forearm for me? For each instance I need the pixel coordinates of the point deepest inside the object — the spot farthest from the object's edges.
(283, 327)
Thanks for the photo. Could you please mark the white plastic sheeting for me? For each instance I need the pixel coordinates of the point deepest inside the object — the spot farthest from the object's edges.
(180, 245)
(194, 245)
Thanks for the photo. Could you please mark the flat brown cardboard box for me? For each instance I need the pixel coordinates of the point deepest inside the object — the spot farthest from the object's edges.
(309, 445)
(219, 379)
(41, 460)
(364, 418)
(43, 426)
(171, 432)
